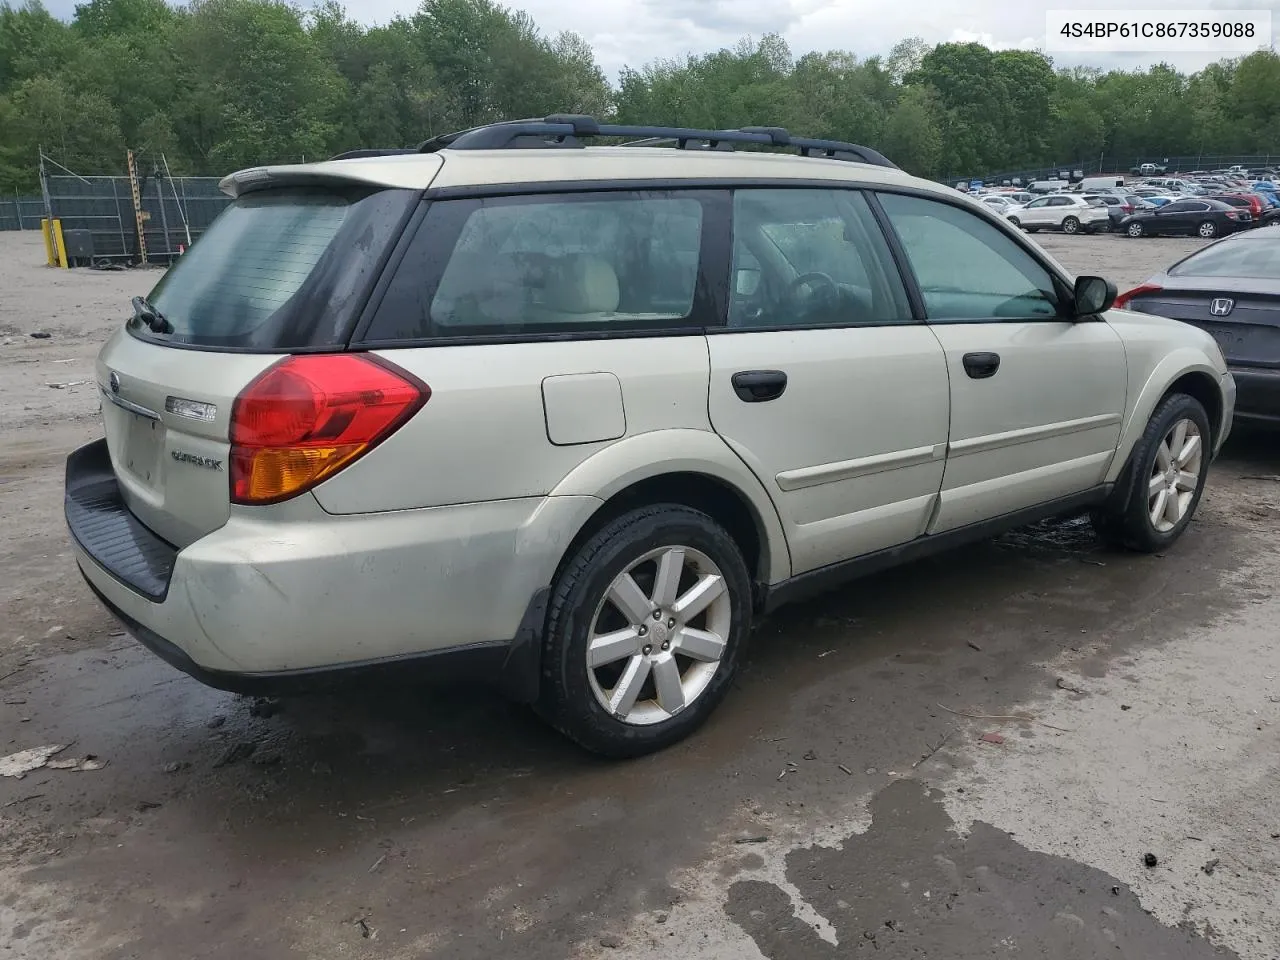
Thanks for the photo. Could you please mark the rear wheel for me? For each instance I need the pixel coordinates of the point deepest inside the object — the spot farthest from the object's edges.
(1208, 230)
(644, 630)
(1015, 221)
(1070, 225)
(1134, 229)
(1161, 487)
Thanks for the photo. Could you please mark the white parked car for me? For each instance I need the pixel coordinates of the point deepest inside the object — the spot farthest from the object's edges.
(571, 419)
(1066, 212)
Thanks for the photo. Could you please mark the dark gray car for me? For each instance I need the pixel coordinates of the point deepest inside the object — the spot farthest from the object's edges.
(1230, 288)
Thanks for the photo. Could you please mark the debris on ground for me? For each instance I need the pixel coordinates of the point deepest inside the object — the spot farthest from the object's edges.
(995, 738)
(810, 755)
(377, 863)
(145, 805)
(975, 646)
(68, 384)
(1150, 860)
(18, 765)
(1115, 891)
(1211, 866)
(1125, 706)
(235, 753)
(843, 768)
(1070, 688)
(176, 766)
(366, 931)
(752, 840)
(87, 763)
(610, 943)
(264, 707)
(40, 335)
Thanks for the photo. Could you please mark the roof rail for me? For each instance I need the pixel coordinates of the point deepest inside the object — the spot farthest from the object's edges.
(569, 130)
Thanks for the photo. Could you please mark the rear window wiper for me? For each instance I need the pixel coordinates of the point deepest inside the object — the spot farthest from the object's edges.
(153, 318)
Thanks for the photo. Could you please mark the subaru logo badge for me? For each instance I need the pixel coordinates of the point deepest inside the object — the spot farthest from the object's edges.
(114, 380)
(1222, 306)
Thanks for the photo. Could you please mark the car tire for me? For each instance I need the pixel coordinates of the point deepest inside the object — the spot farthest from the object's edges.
(1134, 230)
(1207, 230)
(1032, 229)
(631, 717)
(1015, 221)
(1143, 514)
(1070, 225)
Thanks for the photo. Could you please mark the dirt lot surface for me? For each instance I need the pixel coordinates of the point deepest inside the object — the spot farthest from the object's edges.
(841, 803)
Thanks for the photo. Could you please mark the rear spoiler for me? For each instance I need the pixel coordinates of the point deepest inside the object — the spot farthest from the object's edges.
(404, 171)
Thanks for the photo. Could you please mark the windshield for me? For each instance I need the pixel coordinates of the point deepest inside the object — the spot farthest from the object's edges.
(278, 269)
(1250, 259)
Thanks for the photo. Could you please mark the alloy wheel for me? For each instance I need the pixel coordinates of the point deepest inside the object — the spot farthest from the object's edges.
(658, 636)
(1175, 475)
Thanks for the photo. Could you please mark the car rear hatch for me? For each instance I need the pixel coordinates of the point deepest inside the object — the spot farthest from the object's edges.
(1243, 315)
(285, 269)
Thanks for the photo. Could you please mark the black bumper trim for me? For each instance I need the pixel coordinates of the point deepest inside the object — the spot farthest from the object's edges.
(512, 666)
(1257, 394)
(107, 531)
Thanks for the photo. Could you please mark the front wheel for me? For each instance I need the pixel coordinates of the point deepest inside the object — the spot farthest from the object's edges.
(644, 630)
(1015, 221)
(1162, 485)
(1070, 225)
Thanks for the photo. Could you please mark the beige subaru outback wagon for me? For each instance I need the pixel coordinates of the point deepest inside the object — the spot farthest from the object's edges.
(567, 417)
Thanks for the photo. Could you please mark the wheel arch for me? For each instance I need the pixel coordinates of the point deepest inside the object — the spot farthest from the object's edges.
(1184, 371)
(691, 467)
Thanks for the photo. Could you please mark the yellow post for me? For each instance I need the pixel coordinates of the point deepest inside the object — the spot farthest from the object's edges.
(50, 255)
(61, 244)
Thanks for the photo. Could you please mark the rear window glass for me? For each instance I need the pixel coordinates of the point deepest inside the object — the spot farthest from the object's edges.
(1247, 258)
(279, 269)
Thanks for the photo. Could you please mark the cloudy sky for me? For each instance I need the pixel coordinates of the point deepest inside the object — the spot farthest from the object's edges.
(635, 31)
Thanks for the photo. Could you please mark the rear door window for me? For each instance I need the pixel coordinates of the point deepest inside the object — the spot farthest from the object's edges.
(550, 264)
(279, 269)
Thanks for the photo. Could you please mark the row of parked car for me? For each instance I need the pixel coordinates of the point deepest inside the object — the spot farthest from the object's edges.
(1207, 206)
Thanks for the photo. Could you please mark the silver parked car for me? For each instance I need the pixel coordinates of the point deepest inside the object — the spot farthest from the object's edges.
(569, 419)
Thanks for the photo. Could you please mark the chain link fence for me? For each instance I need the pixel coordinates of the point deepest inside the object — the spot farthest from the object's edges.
(21, 213)
(174, 211)
(1105, 165)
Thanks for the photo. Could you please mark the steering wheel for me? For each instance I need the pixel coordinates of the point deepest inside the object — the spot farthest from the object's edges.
(824, 291)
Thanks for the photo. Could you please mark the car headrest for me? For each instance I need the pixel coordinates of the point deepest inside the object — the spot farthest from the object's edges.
(582, 283)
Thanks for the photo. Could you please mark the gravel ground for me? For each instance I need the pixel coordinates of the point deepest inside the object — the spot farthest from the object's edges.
(841, 803)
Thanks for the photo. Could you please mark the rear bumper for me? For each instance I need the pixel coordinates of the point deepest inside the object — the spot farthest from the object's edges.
(1257, 395)
(290, 596)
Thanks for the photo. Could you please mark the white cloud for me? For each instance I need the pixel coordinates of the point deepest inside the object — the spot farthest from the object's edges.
(634, 32)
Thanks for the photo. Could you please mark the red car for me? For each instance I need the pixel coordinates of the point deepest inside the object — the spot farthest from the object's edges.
(1243, 200)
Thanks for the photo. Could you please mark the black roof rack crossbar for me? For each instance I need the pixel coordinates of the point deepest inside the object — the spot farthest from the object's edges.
(569, 130)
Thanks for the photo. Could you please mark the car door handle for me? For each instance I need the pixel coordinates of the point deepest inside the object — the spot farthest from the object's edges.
(979, 366)
(757, 386)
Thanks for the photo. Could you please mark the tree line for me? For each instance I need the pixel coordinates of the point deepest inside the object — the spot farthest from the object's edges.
(221, 84)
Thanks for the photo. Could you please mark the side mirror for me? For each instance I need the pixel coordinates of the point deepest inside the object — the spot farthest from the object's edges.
(1093, 295)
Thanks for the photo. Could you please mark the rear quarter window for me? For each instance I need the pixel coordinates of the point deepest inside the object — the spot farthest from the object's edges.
(550, 265)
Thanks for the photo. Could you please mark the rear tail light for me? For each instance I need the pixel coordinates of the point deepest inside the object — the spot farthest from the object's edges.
(1127, 207)
(1122, 301)
(306, 417)
(1233, 214)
